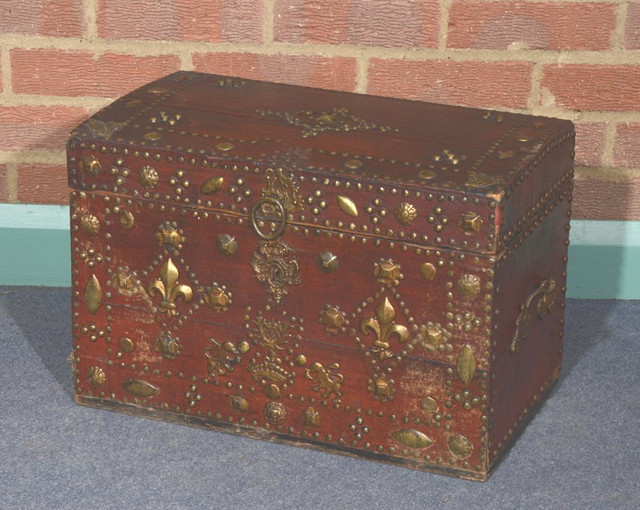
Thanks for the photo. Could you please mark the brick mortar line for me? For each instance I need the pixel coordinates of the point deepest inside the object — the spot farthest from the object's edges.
(555, 1)
(608, 174)
(269, 22)
(362, 75)
(536, 81)
(445, 6)
(146, 48)
(93, 103)
(87, 102)
(33, 157)
(12, 182)
(610, 138)
(5, 62)
(186, 60)
(90, 8)
(617, 36)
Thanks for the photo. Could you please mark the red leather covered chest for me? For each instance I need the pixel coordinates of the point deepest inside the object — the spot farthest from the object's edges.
(377, 277)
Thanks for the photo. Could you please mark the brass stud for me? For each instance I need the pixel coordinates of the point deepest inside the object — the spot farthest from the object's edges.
(428, 271)
(126, 344)
(327, 262)
(90, 166)
(353, 164)
(227, 244)
(224, 146)
(126, 219)
(470, 223)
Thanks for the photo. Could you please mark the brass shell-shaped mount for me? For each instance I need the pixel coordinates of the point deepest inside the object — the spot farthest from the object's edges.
(405, 213)
(469, 286)
(96, 376)
(460, 446)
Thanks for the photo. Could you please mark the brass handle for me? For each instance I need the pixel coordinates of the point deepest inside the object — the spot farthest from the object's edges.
(539, 303)
(282, 222)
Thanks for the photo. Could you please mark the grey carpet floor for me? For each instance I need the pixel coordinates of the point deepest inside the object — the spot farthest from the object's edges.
(580, 452)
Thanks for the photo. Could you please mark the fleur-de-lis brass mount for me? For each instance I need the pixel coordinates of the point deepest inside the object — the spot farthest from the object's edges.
(384, 327)
(169, 288)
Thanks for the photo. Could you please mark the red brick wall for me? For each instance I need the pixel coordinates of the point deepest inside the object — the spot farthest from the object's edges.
(61, 60)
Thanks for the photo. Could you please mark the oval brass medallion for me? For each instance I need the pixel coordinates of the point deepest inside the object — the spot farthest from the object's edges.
(466, 364)
(412, 438)
(93, 294)
(140, 388)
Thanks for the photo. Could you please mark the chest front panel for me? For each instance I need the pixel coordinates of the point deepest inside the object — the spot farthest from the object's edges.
(349, 340)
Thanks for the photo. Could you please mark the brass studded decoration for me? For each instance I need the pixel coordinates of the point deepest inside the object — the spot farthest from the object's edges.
(313, 123)
(90, 224)
(140, 388)
(428, 271)
(275, 412)
(311, 417)
(466, 364)
(96, 377)
(327, 381)
(428, 405)
(327, 262)
(221, 357)
(211, 185)
(227, 244)
(333, 319)
(274, 336)
(170, 236)
(169, 289)
(469, 286)
(412, 438)
(405, 213)
(479, 180)
(347, 205)
(98, 129)
(387, 272)
(126, 344)
(148, 177)
(470, 223)
(126, 281)
(218, 298)
(384, 328)
(275, 266)
(460, 446)
(285, 189)
(382, 388)
(90, 166)
(93, 294)
(432, 336)
(538, 304)
(168, 345)
(239, 403)
(126, 219)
